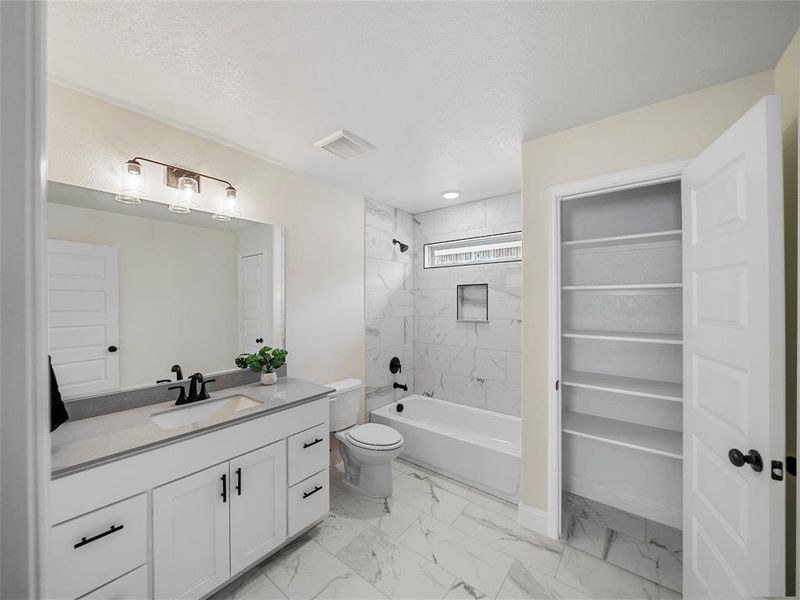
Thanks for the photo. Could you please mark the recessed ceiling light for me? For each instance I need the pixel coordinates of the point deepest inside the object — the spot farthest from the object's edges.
(451, 194)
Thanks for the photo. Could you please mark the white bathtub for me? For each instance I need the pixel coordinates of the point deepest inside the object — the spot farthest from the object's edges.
(478, 447)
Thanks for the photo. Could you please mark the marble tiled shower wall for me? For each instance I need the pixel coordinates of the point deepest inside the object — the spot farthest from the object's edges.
(477, 364)
(389, 303)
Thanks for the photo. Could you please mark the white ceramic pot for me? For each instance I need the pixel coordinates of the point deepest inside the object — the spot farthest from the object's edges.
(269, 378)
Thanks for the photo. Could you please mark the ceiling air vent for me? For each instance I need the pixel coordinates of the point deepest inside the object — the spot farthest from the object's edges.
(345, 144)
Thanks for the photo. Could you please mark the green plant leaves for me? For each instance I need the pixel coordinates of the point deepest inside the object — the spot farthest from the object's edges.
(266, 359)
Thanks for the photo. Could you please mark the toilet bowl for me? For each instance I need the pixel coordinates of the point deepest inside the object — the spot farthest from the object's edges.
(367, 450)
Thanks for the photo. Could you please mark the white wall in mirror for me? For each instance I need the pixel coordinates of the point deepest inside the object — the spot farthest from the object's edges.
(182, 291)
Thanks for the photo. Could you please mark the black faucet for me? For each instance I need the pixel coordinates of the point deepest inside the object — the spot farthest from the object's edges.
(400, 386)
(178, 372)
(181, 395)
(203, 392)
(194, 379)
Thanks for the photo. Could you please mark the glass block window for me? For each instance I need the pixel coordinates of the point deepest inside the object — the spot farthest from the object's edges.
(501, 247)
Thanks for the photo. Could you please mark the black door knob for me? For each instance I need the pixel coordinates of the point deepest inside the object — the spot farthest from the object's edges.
(752, 458)
(112, 348)
(259, 340)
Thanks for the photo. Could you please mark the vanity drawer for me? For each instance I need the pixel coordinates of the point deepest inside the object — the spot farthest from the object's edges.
(308, 452)
(308, 501)
(132, 586)
(93, 549)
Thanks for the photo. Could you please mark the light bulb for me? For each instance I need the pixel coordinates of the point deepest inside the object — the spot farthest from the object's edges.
(132, 183)
(229, 206)
(451, 194)
(186, 195)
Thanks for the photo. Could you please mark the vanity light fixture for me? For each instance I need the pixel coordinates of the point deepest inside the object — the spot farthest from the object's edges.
(229, 206)
(186, 183)
(130, 191)
(451, 194)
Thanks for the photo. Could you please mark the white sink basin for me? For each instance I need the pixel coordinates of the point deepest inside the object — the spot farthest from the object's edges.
(195, 413)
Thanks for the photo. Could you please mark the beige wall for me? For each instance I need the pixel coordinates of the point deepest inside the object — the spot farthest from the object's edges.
(787, 85)
(88, 141)
(674, 129)
(199, 302)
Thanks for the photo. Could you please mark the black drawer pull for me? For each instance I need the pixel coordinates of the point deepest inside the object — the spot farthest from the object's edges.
(309, 444)
(312, 492)
(85, 540)
(239, 481)
(224, 493)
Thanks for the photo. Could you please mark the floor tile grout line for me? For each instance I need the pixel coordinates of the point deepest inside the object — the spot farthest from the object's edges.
(349, 568)
(459, 532)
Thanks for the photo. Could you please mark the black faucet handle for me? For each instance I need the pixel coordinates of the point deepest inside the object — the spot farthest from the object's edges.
(181, 396)
(203, 392)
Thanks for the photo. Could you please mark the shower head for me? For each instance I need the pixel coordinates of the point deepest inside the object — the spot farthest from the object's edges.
(403, 247)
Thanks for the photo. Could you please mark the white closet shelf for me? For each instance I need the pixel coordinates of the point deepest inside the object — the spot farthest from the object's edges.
(625, 336)
(632, 386)
(670, 235)
(622, 433)
(624, 286)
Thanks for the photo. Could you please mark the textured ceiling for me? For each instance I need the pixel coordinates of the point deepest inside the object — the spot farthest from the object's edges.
(446, 91)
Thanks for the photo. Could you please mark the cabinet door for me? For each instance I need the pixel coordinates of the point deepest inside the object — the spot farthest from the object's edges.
(258, 504)
(191, 534)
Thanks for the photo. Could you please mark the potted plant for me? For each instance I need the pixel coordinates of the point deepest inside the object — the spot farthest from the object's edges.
(265, 361)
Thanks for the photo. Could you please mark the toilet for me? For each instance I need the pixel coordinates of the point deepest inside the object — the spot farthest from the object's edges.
(367, 450)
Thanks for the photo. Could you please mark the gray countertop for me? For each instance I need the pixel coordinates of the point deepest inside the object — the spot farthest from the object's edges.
(79, 445)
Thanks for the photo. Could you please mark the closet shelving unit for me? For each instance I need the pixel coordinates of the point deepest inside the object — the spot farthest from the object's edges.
(621, 349)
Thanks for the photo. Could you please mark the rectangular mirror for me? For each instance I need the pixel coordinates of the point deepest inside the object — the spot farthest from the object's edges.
(135, 289)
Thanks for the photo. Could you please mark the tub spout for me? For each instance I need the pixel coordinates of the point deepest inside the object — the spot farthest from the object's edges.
(400, 386)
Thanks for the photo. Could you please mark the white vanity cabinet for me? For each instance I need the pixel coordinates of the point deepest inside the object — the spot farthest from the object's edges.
(191, 551)
(257, 504)
(211, 525)
(180, 520)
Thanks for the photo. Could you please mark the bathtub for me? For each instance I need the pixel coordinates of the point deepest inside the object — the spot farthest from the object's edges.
(478, 447)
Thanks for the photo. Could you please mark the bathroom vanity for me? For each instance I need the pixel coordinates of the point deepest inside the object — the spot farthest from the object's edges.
(149, 503)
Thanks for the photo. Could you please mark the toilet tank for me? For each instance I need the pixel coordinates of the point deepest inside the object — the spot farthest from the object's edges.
(345, 402)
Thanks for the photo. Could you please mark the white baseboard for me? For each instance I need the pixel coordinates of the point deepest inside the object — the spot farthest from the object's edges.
(532, 518)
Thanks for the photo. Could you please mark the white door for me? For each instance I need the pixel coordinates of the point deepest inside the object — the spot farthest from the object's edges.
(191, 534)
(252, 302)
(732, 196)
(83, 317)
(258, 504)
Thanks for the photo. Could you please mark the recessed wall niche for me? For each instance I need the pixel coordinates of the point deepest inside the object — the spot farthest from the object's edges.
(472, 303)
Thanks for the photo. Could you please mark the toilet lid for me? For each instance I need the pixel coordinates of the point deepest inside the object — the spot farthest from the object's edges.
(373, 435)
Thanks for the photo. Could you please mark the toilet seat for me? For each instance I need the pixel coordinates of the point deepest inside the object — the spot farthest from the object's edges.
(373, 436)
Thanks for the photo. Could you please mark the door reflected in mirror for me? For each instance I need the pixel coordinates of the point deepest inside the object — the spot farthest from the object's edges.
(134, 289)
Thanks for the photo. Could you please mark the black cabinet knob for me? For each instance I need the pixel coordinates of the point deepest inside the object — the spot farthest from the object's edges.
(752, 458)
(259, 340)
(112, 348)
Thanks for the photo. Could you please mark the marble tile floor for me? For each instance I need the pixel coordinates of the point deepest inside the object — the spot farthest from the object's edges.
(436, 538)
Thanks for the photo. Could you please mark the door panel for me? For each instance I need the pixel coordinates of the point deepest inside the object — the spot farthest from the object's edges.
(83, 316)
(252, 302)
(191, 534)
(734, 360)
(258, 504)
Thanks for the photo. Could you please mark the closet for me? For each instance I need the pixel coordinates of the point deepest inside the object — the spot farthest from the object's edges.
(621, 349)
